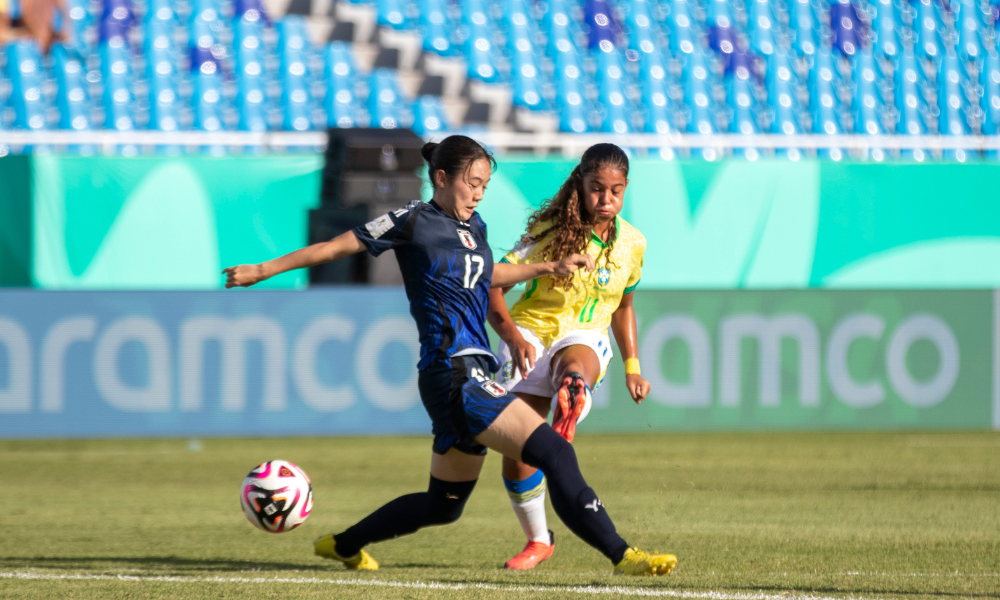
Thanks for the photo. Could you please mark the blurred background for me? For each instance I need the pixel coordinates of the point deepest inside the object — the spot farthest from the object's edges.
(817, 183)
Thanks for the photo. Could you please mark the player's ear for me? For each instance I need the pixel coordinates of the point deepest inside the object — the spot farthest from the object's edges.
(440, 178)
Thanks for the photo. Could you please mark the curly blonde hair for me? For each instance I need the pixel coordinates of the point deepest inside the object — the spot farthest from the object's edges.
(567, 219)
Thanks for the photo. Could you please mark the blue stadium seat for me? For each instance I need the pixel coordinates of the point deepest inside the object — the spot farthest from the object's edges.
(951, 96)
(925, 27)
(429, 116)
(989, 79)
(559, 28)
(117, 75)
(762, 23)
(24, 70)
(83, 24)
(824, 102)
(867, 104)
(116, 20)
(697, 84)
(885, 25)
(570, 92)
(683, 29)
(341, 74)
(72, 98)
(803, 22)
(161, 76)
(721, 34)
(251, 97)
(295, 52)
(525, 74)
(479, 51)
(845, 27)
(909, 98)
(391, 13)
(436, 27)
(385, 103)
(600, 19)
(970, 44)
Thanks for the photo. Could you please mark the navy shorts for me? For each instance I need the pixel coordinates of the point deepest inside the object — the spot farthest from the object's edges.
(461, 400)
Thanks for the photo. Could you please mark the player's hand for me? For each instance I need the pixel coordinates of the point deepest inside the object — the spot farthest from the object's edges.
(637, 386)
(243, 275)
(572, 263)
(522, 354)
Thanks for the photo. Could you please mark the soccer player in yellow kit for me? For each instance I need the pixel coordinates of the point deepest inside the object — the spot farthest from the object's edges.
(554, 339)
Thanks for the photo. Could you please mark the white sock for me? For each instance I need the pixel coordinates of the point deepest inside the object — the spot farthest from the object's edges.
(527, 497)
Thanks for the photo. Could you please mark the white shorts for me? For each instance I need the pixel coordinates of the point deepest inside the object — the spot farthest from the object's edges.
(539, 380)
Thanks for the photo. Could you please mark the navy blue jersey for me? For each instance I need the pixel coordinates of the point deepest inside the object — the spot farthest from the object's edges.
(447, 267)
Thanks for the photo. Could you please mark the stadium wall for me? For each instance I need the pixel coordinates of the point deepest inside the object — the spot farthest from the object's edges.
(172, 223)
(341, 362)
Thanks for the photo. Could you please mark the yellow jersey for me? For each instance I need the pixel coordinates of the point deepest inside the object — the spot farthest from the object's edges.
(551, 311)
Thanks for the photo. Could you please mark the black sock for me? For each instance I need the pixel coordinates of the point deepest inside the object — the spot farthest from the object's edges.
(575, 503)
(442, 503)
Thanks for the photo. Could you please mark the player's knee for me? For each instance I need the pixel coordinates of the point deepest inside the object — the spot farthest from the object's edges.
(446, 500)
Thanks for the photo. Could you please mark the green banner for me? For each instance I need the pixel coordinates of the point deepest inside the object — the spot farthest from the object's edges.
(172, 223)
(167, 223)
(809, 359)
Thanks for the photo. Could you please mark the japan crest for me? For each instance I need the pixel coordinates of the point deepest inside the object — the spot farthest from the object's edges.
(496, 390)
(467, 239)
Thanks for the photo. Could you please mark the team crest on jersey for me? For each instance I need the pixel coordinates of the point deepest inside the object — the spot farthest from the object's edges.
(467, 240)
(495, 389)
(507, 371)
(603, 277)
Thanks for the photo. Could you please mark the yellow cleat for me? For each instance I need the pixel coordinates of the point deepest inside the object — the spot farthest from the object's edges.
(637, 562)
(362, 561)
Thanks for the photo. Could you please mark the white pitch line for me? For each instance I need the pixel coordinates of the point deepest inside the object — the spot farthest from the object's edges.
(592, 590)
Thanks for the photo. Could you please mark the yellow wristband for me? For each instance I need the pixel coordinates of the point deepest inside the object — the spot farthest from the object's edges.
(632, 366)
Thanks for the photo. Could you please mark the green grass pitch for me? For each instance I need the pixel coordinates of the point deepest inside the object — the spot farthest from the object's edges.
(863, 515)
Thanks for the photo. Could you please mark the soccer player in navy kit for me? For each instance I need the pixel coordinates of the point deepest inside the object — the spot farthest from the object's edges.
(448, 271)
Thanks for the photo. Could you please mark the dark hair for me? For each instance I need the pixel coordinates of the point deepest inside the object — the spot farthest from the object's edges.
(569, 224)
(454, 155)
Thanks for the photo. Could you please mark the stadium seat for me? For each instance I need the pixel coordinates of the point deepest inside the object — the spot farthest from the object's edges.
(925, 27)
(803, 22)
(762, 23)
(845, 27)
(435, 27)
(72, 98)
(251, 79)
(429, 116)
(25, 72)
(599, 18)
(683, 33)
(970, 44)
(391, 13)
(296, 97)
(885, 25)
(479, 52)
(117, 75)
(384, 101)
(341, 102)
(525, 74)
(951, 96)
(989, 79)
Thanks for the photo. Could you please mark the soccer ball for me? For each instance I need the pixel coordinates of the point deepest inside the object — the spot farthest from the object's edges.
(276, 496)
(587, 404)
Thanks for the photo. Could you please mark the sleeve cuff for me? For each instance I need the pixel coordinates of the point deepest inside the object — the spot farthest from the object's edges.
(631, 288)
(504, 260)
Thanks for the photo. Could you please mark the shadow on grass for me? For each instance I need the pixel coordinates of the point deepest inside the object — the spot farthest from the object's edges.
(155, 562)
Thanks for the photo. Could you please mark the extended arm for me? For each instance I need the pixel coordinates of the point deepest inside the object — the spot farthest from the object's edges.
(522, 353)
(624, 327)
(343, 245)
(506, 275)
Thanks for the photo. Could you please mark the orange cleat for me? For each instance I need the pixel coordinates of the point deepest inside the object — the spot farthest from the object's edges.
(533, 553)
(570, 404)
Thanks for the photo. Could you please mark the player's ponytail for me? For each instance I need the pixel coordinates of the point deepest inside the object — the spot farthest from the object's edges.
(454, 155)
(564, 215)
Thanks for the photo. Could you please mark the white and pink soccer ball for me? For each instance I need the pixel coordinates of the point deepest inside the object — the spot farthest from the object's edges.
(276, 496)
